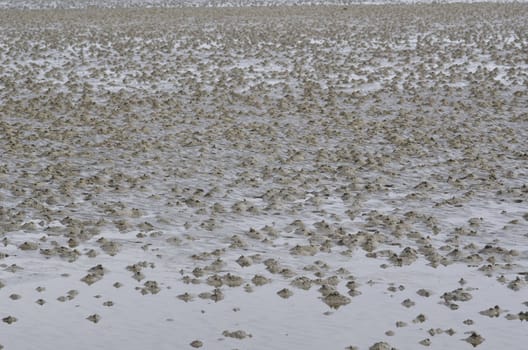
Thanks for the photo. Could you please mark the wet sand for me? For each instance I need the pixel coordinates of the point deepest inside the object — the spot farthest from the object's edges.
(287, 177)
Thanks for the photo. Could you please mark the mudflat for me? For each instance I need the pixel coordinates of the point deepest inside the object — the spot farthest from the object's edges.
(291, 177)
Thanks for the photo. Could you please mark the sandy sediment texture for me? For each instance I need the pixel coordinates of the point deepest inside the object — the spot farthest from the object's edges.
(363, 164)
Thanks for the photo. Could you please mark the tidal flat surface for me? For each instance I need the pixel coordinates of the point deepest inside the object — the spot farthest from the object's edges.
(303, 177)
